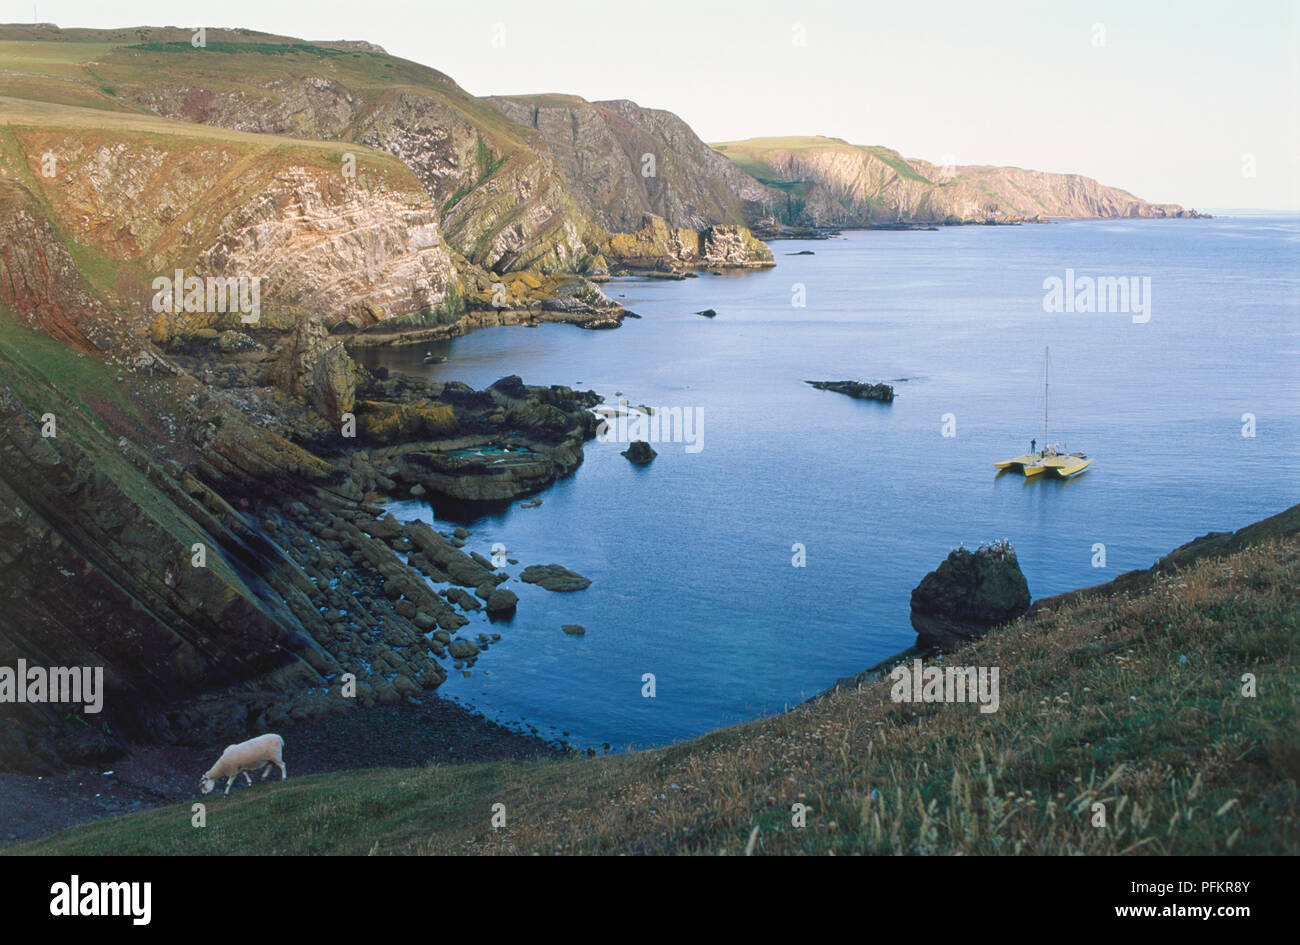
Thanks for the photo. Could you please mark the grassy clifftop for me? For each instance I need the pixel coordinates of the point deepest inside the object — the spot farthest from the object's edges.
(1132, 700)
(133, 196)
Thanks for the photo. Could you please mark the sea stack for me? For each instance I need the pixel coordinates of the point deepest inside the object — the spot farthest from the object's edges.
(967, 595)
(640, 452)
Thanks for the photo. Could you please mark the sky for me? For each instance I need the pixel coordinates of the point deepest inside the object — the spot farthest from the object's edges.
(1190, 102)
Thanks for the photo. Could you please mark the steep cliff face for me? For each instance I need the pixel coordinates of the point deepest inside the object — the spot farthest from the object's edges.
(828, 182)
(211, 547)
(156, 200)
(502, 204)
(658, 246)
(621, 161)
(322, 245)
(38, 277)
(99, 527)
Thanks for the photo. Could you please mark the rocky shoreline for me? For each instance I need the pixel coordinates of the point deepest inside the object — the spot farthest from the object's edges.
(307, 584)
(972, 593)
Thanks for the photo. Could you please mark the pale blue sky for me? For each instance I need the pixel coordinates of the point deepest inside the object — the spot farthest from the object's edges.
(1176, 105)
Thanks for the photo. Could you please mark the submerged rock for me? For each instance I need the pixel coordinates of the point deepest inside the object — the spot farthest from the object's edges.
(967, 595)
(640, 452)
(463, 649)
(553, 577)
(573, 629)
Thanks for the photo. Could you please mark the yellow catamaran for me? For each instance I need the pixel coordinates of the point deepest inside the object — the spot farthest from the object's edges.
(1051, 459)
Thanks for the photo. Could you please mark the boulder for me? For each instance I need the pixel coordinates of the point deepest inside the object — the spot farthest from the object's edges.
(640, 452)
(461, 598)
(450, 620)
(502, 601)
(967, 595)
(463, 649)
(236, 341)
(554, 578)
(315, 367)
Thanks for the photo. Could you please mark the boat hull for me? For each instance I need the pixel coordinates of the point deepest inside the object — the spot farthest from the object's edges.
(1055, 465)
(1019, 463)
(1063, 467)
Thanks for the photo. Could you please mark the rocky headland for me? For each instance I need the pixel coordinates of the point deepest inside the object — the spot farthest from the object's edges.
(827, 182)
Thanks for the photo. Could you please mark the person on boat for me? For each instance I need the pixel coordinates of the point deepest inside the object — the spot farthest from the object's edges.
(1033, 445)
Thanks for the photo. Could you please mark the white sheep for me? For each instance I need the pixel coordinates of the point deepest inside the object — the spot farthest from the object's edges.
(262, 751)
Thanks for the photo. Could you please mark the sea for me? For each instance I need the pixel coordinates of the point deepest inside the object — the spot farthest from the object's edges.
(749, 567)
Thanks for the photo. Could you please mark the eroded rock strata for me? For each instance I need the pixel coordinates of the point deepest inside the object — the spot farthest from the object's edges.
(218, 546)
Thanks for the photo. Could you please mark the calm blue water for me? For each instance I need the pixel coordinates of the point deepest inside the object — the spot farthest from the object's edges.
(691, 557)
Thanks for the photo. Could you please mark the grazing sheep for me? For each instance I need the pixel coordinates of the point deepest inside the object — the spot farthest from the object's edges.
(260, 752)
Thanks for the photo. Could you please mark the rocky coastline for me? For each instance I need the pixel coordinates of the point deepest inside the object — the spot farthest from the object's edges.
(295, 450)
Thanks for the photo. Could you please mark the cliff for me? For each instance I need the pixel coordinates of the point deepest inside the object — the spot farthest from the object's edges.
(829, 182)
(500, 203)
(138, 198)
(656, 246)
(506, 190)
(622, 161)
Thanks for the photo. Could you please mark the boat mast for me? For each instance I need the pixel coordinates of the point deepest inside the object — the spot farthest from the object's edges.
(1045, 378)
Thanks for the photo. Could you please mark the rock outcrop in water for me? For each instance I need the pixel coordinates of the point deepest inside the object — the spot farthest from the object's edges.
(967, 595)
(858, 389)
(640, 452)
(554, 577)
